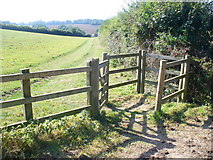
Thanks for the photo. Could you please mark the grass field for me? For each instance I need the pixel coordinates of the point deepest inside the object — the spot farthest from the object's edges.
(45, 52)
(40, 52)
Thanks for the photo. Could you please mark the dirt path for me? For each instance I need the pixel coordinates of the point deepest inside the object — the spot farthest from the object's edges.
(189, 140)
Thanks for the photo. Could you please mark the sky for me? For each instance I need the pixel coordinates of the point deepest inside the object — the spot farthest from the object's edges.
(47, 10)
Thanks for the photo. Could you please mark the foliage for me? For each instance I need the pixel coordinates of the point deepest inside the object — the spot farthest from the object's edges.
(146, 24)
(74, 30)
(200, 81)
(71, 132)
(180, 113)
(39, 28)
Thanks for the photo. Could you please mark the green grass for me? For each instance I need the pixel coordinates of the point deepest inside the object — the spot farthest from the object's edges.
(23, 49)
(57, 138)
(180, 113)
(66, 52)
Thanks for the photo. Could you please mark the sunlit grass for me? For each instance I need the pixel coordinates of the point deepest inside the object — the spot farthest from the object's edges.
(80, 51)
(180, 113)
(24, 49)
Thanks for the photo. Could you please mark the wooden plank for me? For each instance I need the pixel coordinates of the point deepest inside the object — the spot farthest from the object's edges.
(11, 77)
(159, 56)
(152, 69)
(123, 55)
(101, 79)
(43, 74)
(93, 77)
(186, 79)
(173, 72)
(103, 96)
(164, 99)
(123, 70)
(175, 63)
(52, 116)
(15, 102)
(160, 86)
(180, 86)
(151, 82)
(143, 72)
(103, 103)
(106, 73)
(139, 71)
(174, 79)
(167, 71)
(122, 84)
(103, 64)
(26, 90)
(11, 103)
(104, 87)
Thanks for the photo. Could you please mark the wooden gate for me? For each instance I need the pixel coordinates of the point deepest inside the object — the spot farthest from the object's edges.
(104, 80)
(182, 78)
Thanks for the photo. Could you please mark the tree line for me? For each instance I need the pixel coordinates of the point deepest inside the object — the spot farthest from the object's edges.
(40, 28)
(55, 22)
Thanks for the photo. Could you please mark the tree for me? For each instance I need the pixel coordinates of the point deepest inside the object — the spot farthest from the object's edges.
(152, 26)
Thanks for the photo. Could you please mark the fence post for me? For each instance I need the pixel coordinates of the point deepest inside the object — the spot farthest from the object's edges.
(28, 112)
(139, 72)
(179, 98)
(106, 70)
(93, 81)
(143, 71)
(160, 86)
(185, 80)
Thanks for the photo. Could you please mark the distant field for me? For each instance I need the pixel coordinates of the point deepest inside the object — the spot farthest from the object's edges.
(88, 28)
(45, 52)
(24, 49)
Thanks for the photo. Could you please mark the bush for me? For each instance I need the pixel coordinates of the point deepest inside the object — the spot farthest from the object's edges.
(200, 81)
(173, 29)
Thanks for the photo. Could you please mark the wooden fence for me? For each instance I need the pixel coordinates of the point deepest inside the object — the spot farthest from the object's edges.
(181, 76)
(98, 73)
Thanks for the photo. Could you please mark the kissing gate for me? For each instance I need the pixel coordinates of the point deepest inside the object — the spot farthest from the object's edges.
(166, 68)
(98, 83)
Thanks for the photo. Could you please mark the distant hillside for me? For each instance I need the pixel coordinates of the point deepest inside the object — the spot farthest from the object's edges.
(87, 28)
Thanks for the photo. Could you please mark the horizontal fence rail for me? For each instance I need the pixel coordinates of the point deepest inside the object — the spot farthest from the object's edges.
(172, 72)
(123, 55)
(43, 74)
(51, 116)
(164, 99)
(15, 102)
(175, 63)
(122, 84)
(123, 70)
(174, 79)
(162, 57)
(103, 64)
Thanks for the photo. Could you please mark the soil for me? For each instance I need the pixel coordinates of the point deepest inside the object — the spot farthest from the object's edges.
(186, 140)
